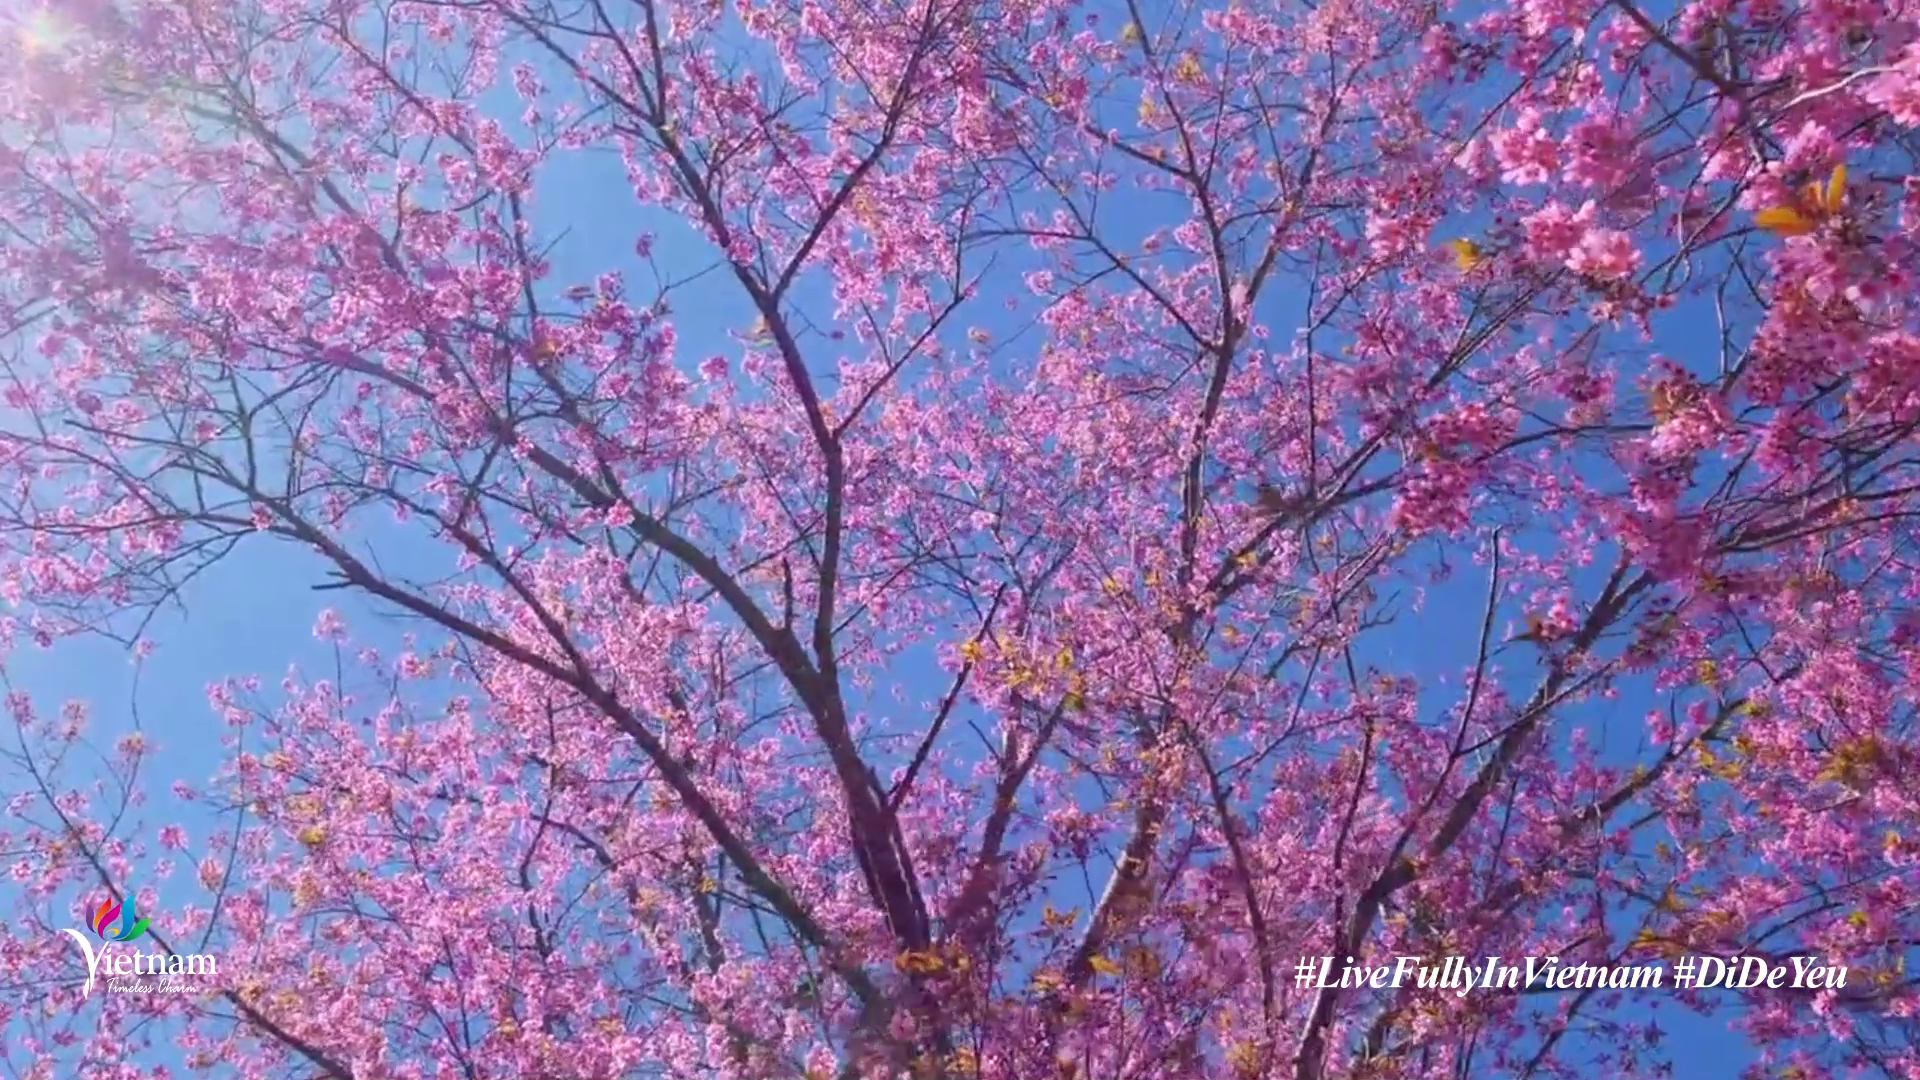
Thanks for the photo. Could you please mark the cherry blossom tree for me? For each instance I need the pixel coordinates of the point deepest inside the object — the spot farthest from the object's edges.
(1186, 487)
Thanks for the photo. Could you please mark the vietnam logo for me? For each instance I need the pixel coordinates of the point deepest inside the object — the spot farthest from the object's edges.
(114, 922)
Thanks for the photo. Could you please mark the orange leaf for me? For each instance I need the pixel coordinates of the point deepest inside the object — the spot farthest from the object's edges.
(1836, 189)
(1784, 221)
(914, 962)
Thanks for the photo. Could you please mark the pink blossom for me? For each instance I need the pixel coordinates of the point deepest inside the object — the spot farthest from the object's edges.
(1606, 254)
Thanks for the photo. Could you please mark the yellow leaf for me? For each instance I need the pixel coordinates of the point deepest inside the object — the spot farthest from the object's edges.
(1065, 659)
(1784, 221)
(920, 963)
(1047, 981)
(1467, 254)
(1130, 33)
(1103, 966)
(313, 836)
(1826, 199)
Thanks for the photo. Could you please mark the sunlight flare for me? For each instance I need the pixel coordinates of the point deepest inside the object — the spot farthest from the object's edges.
(43, 32)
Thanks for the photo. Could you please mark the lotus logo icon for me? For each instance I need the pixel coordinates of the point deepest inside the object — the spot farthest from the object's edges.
(131, 925)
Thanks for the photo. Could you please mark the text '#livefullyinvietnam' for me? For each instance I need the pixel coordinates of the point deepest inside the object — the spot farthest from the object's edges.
(1464, 976)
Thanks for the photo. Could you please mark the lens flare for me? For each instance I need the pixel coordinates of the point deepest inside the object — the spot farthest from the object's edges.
(41, 32)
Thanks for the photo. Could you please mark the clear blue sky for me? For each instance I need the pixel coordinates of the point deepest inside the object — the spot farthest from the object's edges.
(254, 613)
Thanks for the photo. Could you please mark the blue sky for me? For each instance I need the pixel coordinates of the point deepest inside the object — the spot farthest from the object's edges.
(254, 613)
